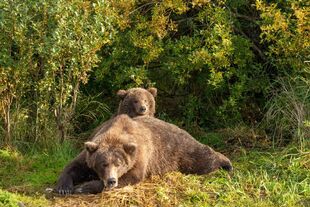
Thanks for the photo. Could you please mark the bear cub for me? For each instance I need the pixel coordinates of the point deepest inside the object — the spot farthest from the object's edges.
(137, 102)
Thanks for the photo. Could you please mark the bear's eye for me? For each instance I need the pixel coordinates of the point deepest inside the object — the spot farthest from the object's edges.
(104, 164)
(118, 162)
(136, 101)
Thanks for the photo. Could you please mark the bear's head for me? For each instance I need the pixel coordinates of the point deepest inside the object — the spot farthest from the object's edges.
(137, 101)
(110, 162)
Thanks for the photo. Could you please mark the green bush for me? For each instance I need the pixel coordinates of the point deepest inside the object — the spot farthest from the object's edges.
(216, 64)
(48, 49)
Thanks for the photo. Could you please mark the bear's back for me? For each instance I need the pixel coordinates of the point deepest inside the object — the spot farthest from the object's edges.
(173, 147)
(167, 134)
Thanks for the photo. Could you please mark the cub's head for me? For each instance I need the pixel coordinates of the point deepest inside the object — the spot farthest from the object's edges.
(110, 162)
(137, 101)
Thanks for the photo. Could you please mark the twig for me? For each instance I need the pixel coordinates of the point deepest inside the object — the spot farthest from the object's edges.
(140, 7)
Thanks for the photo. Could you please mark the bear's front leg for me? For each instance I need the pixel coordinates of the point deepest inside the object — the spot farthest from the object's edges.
(74, 173)
(64, 184)
(91, 187)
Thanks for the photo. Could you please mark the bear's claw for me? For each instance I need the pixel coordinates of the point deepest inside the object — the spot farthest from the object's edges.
(63, 191)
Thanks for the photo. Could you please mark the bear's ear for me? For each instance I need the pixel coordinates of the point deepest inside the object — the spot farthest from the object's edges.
(130, 148)
(91, 146)
(121, 93)
(153, 91)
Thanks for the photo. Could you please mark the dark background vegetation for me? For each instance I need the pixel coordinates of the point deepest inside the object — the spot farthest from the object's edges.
(229, 72)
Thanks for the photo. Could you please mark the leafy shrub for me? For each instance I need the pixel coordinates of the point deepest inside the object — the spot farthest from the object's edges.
(216, 64)
(48, 50)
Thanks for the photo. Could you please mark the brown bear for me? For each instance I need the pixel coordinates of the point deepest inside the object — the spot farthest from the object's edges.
(134, 102)
(137, 101)
(126, 151)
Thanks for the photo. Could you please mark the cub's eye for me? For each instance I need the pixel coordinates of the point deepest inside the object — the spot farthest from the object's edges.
(136, 101)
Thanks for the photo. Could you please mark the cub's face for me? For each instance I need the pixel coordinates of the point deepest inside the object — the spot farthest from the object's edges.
(110, 163)
(138, 101)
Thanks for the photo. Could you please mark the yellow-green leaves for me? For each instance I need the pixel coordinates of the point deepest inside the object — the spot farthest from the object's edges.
(287, 29)
(48, 48)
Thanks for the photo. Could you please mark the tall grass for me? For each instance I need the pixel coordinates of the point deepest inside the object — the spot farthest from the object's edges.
(29, 133)
(288, 112)
(90, 112)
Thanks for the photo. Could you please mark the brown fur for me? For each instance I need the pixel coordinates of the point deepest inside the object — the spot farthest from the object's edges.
(137, 101)
(156, 147)
(126, 104)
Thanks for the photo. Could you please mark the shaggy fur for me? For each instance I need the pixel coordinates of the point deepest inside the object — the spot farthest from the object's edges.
(130, 150)
(137, 101)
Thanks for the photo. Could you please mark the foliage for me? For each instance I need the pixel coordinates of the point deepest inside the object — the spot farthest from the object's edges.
(285, 29)
(285, 26)
(30, 172)
(48, 48)
(189, 49)
(90, 113)
(216, 63)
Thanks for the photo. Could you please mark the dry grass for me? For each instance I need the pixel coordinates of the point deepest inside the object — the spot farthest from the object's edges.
(171, 190)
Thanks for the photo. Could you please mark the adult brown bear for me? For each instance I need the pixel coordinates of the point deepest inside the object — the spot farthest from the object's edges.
(126, 151)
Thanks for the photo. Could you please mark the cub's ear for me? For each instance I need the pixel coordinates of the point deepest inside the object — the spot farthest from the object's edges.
(91, 146)
(130, 148)
(121, 93)
(153, 91)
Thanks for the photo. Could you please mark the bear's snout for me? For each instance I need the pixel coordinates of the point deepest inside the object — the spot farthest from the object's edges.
(228, 167)
(221, 161)
(225, 163)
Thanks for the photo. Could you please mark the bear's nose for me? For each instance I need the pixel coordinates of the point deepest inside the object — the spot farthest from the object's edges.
(143, 108)
(226, 165)
(228, 168)
(111, 182)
